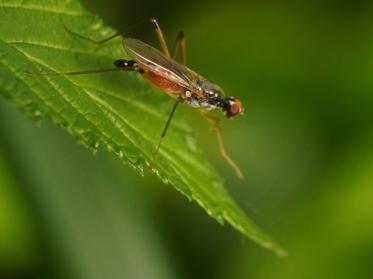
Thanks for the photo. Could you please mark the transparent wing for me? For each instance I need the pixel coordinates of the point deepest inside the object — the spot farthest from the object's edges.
(156, 61)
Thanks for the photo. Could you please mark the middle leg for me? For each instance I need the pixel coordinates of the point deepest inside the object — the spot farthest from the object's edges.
(163, 135)
(179, 45)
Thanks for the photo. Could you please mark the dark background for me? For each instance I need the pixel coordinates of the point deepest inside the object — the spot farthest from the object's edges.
(303, 70)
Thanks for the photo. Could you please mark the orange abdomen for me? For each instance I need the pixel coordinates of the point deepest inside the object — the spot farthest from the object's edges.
(163, 83)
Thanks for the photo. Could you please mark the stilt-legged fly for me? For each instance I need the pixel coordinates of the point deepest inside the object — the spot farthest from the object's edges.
(174, 78)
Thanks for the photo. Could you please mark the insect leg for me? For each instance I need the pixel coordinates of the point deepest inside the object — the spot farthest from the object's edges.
(89, 39)
(155, 23)
(120, 65)
(180, 43)
(215, 124)
(160, 36)
(163, 134)
(73, 73)
(180, 46)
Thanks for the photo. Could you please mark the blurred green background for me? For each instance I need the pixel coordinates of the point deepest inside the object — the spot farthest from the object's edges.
(303, 69)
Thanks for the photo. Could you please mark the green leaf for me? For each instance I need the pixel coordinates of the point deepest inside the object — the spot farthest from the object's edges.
(119, 111)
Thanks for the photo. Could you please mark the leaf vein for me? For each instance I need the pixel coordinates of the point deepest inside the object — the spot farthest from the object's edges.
(41, 9)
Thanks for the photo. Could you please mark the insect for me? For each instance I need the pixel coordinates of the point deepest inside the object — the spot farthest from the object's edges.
(174, 78)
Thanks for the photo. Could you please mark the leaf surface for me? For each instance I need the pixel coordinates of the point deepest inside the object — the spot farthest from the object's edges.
(119, 111)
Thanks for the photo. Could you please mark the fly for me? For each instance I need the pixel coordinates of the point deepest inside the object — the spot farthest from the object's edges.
(174, 78)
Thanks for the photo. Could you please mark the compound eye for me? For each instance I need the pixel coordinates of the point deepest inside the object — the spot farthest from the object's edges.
(233, 107)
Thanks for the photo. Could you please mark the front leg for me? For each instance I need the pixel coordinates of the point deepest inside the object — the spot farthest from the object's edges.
(215, 124)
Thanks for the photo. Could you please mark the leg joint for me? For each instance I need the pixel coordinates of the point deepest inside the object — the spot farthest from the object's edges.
(155, 23)
(180, 35)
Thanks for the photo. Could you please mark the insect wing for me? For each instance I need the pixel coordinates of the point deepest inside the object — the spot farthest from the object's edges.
(152, 59)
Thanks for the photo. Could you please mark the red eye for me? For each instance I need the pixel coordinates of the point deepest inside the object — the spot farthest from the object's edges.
(233, 107)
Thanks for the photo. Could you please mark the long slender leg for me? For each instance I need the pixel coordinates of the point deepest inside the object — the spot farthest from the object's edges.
(160, 36)
(180, 46)
(72, 73)
(163, 134)
(153, 21)
(215, 124)
(120, 65)
(104, 40)
(99, 42)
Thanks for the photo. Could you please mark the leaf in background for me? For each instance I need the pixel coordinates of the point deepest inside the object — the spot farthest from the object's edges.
(86, 224)
(17, 235)
(117, 110)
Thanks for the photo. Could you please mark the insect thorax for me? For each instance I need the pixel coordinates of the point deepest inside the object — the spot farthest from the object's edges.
(208, 95)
